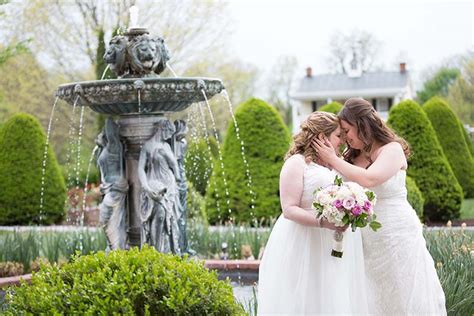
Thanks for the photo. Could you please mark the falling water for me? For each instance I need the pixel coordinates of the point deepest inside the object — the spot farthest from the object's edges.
(70, 150)
(86, 183)
(78, 161)
(140, 117)
(226, 187)
(206, 136)
(171, 70)
(214, 128)
(45, 155)
(105, 71)
(242, 151)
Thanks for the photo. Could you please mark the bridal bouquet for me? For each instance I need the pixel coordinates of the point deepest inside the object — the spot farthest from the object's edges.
(345, 203)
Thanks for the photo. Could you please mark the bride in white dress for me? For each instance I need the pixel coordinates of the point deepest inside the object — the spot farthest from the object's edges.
(298, 275)
(401, 275)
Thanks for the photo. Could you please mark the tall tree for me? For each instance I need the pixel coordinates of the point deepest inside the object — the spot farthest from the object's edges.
(358, 47)
(280, 81)
(438, 84)
(461, 94)
(191, 28)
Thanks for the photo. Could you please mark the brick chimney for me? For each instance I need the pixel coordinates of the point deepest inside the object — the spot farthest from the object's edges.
(309, 72)
(403, 67)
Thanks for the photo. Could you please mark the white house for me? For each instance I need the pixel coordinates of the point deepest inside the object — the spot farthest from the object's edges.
(383, 89)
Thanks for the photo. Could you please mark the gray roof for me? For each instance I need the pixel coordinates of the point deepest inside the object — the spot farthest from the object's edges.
(342, 82)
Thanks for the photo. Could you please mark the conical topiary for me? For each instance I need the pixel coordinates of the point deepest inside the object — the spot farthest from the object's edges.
(451, 138)
(428, 165)
(333, 107)
(22, 144)
(266, 140)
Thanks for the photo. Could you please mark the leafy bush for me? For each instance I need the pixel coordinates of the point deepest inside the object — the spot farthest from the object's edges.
(266, 140)
(22, 143)
(428, 165)
(450, 136)
(333, 107)
(415, 197)
(451, 252)
(134, 282)
(198, 162)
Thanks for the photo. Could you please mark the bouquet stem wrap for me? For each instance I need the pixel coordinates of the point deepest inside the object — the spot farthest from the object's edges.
(337, 249)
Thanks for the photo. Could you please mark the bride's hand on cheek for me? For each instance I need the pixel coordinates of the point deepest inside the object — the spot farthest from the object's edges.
(325, 150)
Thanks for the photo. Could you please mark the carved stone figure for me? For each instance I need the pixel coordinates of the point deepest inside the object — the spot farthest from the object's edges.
(180, 147)
(143, 55)
(158, 172)
(116, 55)
(162, 55)
(114, 186)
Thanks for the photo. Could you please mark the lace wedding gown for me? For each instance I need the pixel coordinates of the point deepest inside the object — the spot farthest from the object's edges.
(298, 275)
(402, 279)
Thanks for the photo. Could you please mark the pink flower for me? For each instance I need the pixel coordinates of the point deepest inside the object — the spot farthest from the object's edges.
(348, 203)
(337, 203)
(367, 205)
(356, 210)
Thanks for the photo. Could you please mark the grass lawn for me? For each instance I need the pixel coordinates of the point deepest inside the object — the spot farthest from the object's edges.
(467, 209)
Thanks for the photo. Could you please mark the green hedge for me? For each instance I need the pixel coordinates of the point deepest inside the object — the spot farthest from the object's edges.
(198, 161)
(22, 143)
(333, 107)
(415, 197)
(266, 140)
(428, 165)
(134, 282)
(451, 138)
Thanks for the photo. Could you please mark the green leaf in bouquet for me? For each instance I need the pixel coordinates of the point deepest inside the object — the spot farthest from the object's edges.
(338, 181)
(318, 207)
(374, 225)
(346, 220)
(370, 195)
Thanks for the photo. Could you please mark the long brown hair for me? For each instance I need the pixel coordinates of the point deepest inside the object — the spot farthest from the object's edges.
(313, 126)
(370, 128)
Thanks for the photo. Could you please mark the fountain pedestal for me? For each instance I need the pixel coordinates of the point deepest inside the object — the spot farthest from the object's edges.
(135, 130)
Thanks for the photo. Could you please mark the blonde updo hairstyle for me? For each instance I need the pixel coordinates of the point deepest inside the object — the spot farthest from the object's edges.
(317, 123)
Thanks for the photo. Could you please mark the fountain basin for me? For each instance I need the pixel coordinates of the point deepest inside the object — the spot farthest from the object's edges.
(157, 95)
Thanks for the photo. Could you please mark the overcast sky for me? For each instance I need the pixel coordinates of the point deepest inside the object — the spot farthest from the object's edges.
(425, 32)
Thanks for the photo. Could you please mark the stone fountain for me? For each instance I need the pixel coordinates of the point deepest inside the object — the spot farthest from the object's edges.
(141, 154)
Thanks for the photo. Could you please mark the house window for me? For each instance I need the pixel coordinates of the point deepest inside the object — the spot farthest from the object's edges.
(314, 104)
(390, 103)
(374, 103)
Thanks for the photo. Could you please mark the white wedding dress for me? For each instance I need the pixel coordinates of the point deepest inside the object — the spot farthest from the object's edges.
(298, 275)
(402, 279)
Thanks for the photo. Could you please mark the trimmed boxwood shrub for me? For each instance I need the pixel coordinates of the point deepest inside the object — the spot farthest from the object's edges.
(134, 282)
(198, 162)
(415, 197)
(266, 140)
(22, 143)
(428, 165)
(333, 107)
(450, 136)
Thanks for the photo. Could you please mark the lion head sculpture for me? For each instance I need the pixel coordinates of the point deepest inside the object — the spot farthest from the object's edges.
(116, 55)
(143, 55)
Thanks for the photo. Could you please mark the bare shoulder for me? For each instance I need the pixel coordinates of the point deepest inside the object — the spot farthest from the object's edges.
(295, 161)
(394, 152)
